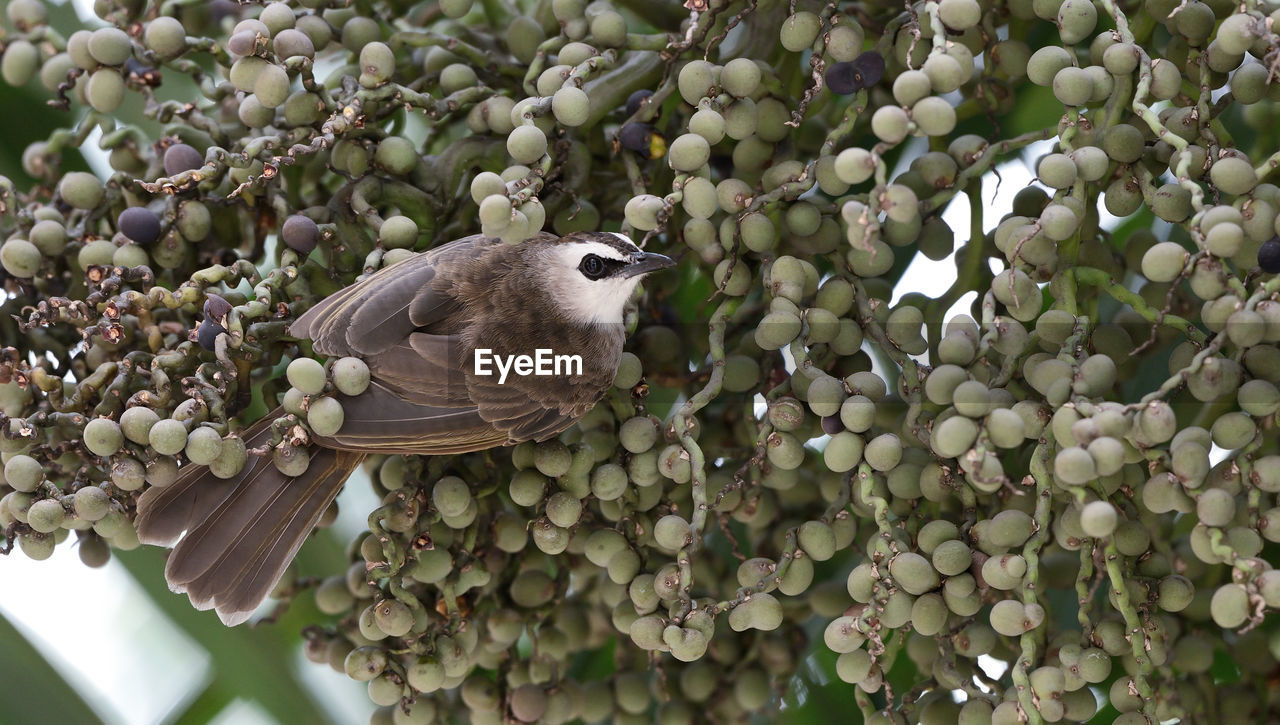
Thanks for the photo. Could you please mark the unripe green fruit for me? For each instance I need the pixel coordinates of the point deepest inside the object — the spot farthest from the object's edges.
(105, 90)
(954, 436)
(841, 635)
(952, 557)
(760, 611)
(110, 46)
(350, 375)
(396, 154)
(960, 14)
(817, 539)
(204, 445)
(91, 503)
(81, 190)
(325, 416)
(163, 471)
(1076, 20)
(1057, 171)
(913, 573)
(365, 663)
(843, 452)
(945, 72)
(854, 667)
(1045, 64)
(777, 329)
(1230, 606)
(890, 124)
(393, 617)
(19, 64)
(291, 460)
(1163, 262)
(398, 232)
(425, 675)
(1233, 175)
(526, 144)
(456, 77)
(672, 532)
(552, 458)
(695, 80)
(1098, 519)
(307, 375)
(1215, 507)
(102, 436)
(377, 63)
(689, 152)
(487, 184)
(799, 31)
(934, 116)
(642, 211)
(20, 258)
(854, 165)
(571, 106)
(451, 496)
(46, 516)
(844, 41)
(884, 452)
(1012, 618)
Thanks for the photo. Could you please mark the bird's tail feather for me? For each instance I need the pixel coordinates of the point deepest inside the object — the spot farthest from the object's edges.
(241, 532)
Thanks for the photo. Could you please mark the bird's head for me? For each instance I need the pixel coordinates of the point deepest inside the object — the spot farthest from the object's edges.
(591, 275)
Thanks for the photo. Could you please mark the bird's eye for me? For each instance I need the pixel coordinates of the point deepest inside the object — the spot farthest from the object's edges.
(592, 267)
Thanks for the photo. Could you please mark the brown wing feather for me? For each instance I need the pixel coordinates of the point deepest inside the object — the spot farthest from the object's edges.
(381, 421)
(382, 309)
(274, 528)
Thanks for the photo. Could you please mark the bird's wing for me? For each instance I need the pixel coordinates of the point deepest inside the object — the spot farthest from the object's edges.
(536, 407)
(380, 311)
(381, 420)
(406, 324)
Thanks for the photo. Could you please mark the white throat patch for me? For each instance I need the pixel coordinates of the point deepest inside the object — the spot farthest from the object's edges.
(583, 300)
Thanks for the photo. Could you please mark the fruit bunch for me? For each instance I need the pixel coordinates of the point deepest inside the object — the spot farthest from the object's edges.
(1044, 492)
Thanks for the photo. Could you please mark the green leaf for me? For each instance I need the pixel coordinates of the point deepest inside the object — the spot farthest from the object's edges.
(256, 664)
(33, 691)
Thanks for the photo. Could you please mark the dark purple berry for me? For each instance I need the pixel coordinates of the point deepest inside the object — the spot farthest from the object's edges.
(207, 334)
(216, 308)
(1269, 256)
(180, 157)
(871, 66)
(300, 233)
(635, 99)
(637, 137)
(139, 224)
(854, 75)
(840, 78)
(832, 424)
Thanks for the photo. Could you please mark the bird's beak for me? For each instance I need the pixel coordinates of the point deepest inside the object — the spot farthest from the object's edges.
(646, 262)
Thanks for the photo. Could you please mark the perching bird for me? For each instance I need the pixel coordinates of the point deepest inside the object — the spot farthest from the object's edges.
(418, 325)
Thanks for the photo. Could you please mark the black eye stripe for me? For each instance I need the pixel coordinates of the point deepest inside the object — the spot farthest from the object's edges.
(594, 267)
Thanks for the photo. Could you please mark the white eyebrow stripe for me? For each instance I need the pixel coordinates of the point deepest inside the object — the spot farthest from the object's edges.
(626, 240)
(598, 249)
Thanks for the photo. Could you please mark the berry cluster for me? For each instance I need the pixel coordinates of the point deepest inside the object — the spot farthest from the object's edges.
(1056, 504)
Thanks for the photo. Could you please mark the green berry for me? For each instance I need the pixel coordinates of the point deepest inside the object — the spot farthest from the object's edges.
(325, 416)
(306, 375)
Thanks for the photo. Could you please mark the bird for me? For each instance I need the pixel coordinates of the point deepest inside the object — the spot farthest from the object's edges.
(418, 324)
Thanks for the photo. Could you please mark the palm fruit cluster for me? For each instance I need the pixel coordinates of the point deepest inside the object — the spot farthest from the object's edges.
(1057, 504)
